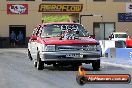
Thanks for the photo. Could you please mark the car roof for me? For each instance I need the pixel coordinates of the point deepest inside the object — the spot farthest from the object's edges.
(119, 33)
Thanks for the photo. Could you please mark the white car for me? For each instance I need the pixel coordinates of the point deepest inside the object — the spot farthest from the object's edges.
(118, 36)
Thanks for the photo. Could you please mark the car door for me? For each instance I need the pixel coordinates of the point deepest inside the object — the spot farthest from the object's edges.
(31, 40)
(33, 44)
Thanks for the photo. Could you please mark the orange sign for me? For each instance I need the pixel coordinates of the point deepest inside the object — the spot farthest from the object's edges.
(83, 78)
(60, 7)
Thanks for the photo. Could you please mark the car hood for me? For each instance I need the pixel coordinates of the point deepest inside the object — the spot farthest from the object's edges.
(81, 40)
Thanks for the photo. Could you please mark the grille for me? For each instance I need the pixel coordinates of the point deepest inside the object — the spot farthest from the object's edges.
(68, 48)
(75, 48)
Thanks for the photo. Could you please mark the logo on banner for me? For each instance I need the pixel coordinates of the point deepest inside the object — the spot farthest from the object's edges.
(60, 7)
(129, 7)
(17, 8)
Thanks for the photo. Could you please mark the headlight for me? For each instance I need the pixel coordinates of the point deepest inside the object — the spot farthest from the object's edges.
(49, 48)
(99, 48)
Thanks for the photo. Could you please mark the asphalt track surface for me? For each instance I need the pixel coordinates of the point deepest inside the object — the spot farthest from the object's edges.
(17, 71)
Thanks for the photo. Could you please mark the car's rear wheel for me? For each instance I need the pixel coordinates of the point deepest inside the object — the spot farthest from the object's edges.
(40, 64)
(29, 55)
(35, 64)
(96, 65)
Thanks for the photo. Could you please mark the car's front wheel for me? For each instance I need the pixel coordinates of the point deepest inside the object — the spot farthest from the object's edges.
(96, 65)
(29, 55)
(75, 66)
(40, 64)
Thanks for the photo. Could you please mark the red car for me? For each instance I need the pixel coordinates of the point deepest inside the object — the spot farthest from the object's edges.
(63, 43)
(129, 42)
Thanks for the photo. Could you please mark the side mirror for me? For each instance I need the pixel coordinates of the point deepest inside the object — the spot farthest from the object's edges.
(110, 37)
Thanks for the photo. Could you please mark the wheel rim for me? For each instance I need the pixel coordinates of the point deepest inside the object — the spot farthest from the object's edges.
(38, 63)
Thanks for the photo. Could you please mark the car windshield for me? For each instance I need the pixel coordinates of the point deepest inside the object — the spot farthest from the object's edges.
(121, 35)
(55, 30)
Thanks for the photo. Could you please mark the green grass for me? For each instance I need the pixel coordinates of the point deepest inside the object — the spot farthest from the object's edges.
(48, 19)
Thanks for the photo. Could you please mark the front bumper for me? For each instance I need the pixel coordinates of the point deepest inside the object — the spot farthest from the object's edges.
(64, 56)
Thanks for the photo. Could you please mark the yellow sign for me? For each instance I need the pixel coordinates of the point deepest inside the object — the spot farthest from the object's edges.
(60, 7)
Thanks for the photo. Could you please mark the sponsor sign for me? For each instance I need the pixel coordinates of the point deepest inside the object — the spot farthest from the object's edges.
(83, 78)
(128, 7)
(60, 7)
(104, 78)
(124, 17)
(17, 8)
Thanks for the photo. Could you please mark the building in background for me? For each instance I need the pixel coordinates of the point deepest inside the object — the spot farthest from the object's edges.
(100, 17)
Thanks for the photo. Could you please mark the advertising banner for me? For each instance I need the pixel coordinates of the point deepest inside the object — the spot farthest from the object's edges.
(124, 17)
(60, 7)
(17, 8)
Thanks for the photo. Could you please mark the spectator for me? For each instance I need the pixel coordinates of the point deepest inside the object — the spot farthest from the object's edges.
(20, 37)
(13, 38)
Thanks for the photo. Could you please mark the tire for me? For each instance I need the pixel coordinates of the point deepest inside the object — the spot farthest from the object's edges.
(40, 64)
(75, 66)
(96, 65)
(29, 55)
(35, 64)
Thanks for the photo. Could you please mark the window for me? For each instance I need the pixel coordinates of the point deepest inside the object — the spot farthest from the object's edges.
(99, 0)
(20, 0)
(121, 35)
(55, 30)
(122, 0)
(103, 30)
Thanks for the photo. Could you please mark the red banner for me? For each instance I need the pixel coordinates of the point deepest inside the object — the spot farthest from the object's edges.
(17, 8)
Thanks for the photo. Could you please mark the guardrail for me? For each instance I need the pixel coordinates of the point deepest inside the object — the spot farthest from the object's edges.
(108, 46)
(115, 49)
